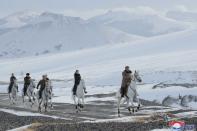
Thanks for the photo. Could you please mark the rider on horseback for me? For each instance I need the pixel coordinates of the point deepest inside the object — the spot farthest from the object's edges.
(77, 78)
(12, 79)
(42, 84)
(126, 80)
(26, 83)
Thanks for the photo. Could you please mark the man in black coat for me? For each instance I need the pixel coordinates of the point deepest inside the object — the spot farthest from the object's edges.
(26, 83)
(77, 78)
(12, 79)
(42, 84)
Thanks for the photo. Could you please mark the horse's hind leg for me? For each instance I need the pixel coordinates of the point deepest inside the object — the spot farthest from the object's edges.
(80, 103)
(119, 100)
(45, 107)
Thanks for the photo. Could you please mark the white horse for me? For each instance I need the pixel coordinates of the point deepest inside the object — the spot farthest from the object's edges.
(80, 95)
(131, 94)
(29, 92)
(46, 96)
(13, 93)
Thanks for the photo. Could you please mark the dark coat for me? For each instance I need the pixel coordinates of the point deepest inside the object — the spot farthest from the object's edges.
(27, 80)
(42, 84)
(12, 79)
(77, 78)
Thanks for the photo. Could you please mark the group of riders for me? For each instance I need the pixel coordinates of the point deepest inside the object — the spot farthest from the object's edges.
(127, 77)
(27, 80)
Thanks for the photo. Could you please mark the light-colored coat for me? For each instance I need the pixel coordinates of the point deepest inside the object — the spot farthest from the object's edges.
(126, 79)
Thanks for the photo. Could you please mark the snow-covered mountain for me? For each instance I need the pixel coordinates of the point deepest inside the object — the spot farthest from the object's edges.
(103, 56)
(143, 24)
(49, 32)
(17, 19)
(103, 65)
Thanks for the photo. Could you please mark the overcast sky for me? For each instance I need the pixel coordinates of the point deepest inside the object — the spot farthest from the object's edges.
(88, 7)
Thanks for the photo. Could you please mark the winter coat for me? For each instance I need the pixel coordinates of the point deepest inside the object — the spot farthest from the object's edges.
(27, 80)
(42, 84)
(126, 78)
(77, 78)
(12, 79)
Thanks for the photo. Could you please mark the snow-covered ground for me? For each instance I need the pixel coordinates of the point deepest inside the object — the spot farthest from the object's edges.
(25, 113)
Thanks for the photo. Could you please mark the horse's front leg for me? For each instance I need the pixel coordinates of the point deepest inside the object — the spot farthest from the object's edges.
(39, 106)
(76, 105)
(23, 97)
(79, 104)
(9, 94)
(29, 98)
(132, 105)
(139, 104)
(51, 103)
(83, 103)
(128, 106)
(45, 106)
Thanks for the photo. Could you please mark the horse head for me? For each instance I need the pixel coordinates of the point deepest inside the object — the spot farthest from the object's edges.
(137, 76)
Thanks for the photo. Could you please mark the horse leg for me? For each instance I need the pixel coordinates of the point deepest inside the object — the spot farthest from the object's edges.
(132, 105)
(14, 97)
(39, 107)
(51, 103)
(128, 107)
(29, 98)
(119, 100)
(45, 106)
(9, 94)
(139, 104)
(80, 103)
(23, 96)
(76, 104)
(83, 103)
